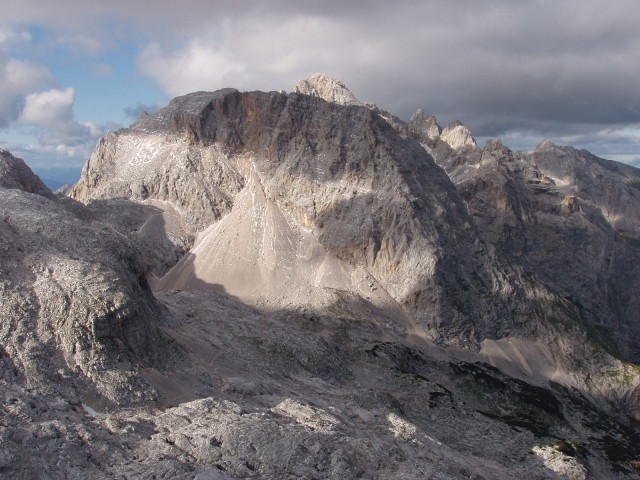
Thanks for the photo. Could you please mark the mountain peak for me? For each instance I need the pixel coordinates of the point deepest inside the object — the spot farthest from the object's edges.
(323, 86)
(15, 174)
(546, 145)
(458, 136)
(424, 126)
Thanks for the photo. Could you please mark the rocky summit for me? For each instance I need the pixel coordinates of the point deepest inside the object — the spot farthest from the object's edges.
(302, 285)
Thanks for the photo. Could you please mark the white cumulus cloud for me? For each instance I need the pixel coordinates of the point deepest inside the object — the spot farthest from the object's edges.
(17, 79)
(58, 132)
(48, 109)
(195, 67)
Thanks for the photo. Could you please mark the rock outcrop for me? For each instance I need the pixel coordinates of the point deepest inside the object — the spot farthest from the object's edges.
(77, 313)
(458, 137)
(276, 394)
(15, 174)
(303, 177)
(324, 87)
(424, 127)
(568, 218)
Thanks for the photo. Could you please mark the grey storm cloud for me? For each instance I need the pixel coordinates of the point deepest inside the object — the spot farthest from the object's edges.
(565, 69)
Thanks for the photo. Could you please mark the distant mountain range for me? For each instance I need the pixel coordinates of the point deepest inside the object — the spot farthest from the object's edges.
(57, 177)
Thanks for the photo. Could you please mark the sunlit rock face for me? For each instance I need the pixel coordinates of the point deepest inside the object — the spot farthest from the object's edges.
(324, 87)
(457, 136)
(329, 198)
(337, 294)
(294, 199)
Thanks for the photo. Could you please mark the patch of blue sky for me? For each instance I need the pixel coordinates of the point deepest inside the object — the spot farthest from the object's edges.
(105, 84)
(104, 75)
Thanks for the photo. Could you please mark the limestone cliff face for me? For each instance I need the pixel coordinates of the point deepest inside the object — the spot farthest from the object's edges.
(611, 187)
(309, 201)
(139, 165)
(564, 216)
(368, 197)
(571, 220)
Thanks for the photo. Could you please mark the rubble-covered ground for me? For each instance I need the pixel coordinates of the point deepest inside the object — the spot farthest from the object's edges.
(305, 394)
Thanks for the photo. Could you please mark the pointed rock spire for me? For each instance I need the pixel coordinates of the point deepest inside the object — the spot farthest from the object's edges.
(327, 88)
(458, 136)
(424, 126)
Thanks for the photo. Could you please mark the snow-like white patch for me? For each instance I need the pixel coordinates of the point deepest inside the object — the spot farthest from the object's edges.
(144, 152)
(309, 416)
(407, 431)
(401, 428)
(427, 148)
(564, 465)
(94, 413)
(560, 182)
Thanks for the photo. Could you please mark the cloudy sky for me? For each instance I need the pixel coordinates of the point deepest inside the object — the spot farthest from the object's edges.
(525, 71)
